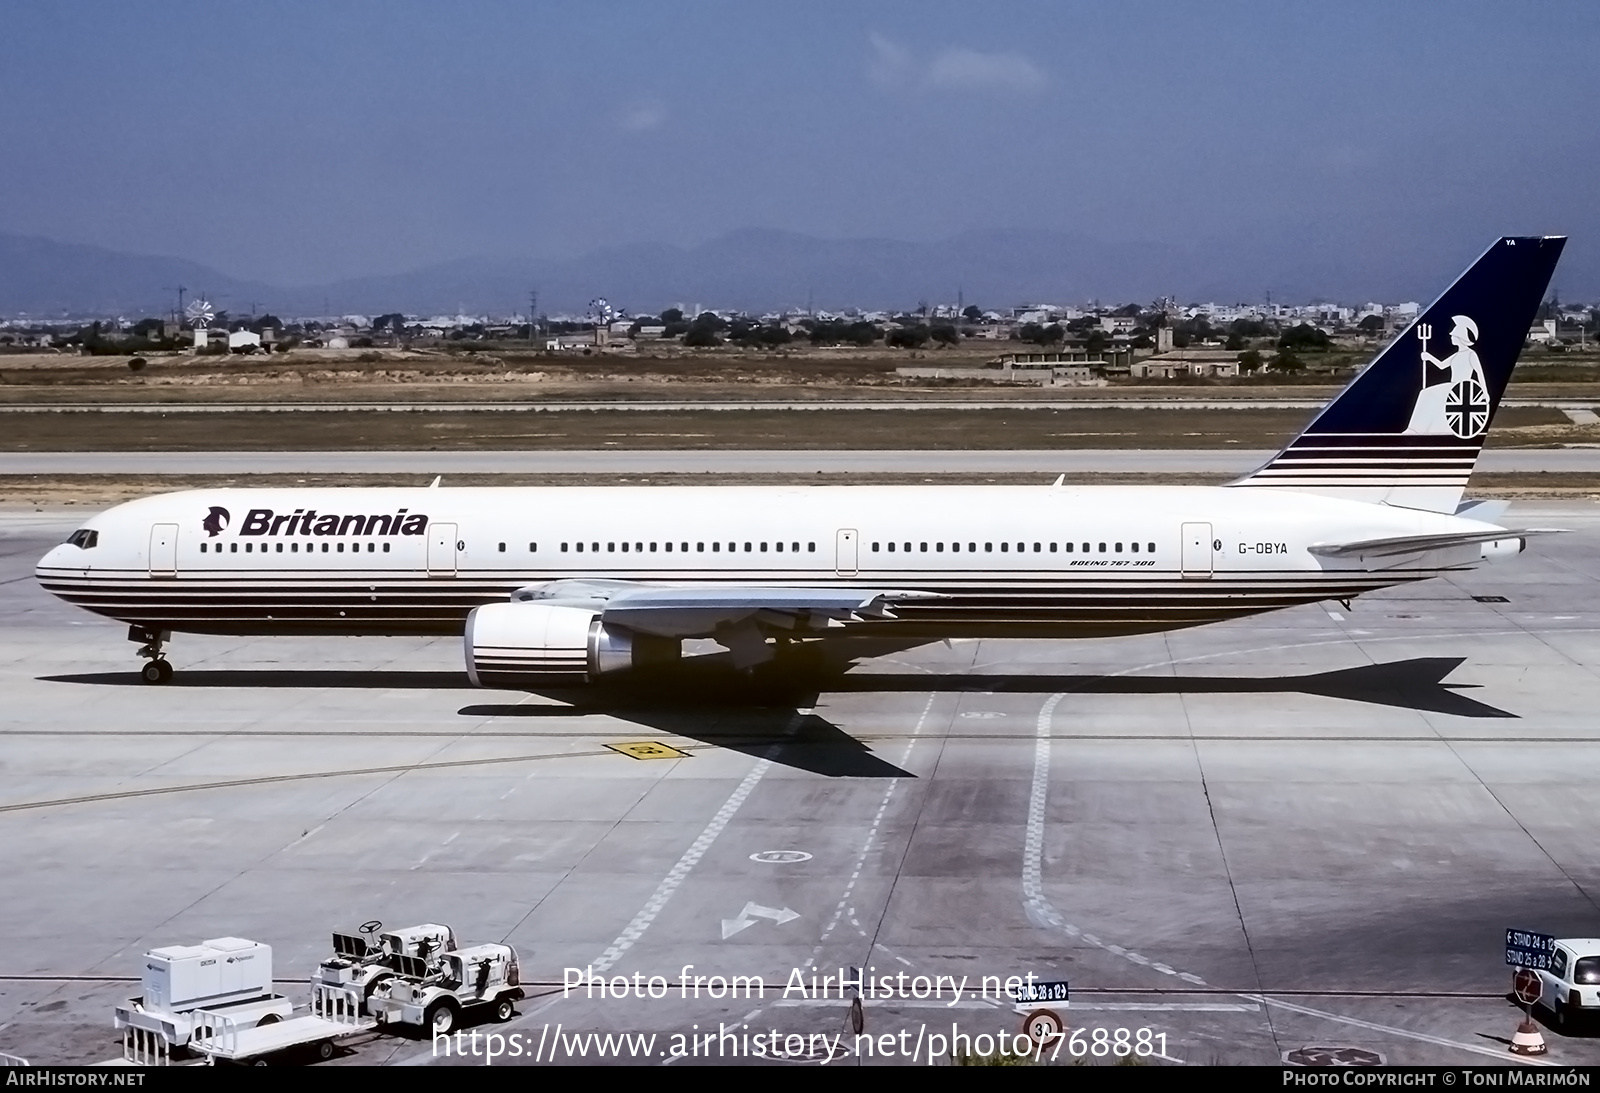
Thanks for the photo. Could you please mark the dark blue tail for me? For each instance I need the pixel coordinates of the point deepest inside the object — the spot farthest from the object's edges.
(1408, 429)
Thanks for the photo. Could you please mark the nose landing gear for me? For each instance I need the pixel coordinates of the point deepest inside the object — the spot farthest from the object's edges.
(157, 670)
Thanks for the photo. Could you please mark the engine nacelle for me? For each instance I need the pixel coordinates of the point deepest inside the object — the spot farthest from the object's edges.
(536, 644)
(1503, 548)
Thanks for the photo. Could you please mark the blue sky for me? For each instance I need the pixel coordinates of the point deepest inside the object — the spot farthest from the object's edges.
(302, 142)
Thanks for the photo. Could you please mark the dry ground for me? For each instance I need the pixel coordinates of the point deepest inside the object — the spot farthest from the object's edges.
(512, 373)
(933, 429)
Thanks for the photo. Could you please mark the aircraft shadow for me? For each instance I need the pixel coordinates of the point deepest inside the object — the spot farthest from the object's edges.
(761, 717)
(279, 678)
(768, 715)
(1416, 684)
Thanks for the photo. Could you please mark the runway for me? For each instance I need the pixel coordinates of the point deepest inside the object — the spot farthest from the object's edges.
(1073, 461)
(1308, 828)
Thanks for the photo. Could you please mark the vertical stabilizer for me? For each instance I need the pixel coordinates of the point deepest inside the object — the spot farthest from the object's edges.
(1408, 429)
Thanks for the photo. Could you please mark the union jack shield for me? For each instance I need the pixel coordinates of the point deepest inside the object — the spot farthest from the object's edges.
(1466, 409)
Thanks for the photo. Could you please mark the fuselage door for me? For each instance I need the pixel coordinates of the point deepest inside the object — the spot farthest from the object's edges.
(164, 550)
(847, 552)
(441, 550)
(1197, 550)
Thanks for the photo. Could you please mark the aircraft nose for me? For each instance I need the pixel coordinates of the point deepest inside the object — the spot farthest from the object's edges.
(54, 559)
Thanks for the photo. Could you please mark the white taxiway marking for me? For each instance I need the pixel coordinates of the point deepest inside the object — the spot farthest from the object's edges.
(679, 872)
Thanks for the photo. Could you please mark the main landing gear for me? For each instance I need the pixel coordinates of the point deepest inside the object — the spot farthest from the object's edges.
(157, 670)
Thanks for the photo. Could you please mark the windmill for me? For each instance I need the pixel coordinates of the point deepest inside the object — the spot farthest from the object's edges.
(200, 314)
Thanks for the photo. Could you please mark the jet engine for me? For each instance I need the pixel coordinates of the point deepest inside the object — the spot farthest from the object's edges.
(538, 644)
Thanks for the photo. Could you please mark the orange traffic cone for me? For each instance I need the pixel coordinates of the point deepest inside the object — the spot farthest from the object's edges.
(1527, 1040)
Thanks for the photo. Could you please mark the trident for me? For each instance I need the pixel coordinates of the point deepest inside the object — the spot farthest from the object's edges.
(1424, 334)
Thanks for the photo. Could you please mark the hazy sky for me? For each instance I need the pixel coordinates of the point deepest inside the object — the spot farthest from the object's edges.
(302, 142)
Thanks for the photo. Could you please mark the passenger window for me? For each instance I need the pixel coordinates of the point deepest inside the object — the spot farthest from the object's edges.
(955, 548)
(580, 548)
(611, 548)
(1102, 548)
(1052, 548)
(812, 547)
(324, 548)
(716, 548)
(1135, 547)
(700, 546)
(233, 548)
(1036, 548)
(987, 547)
(502, 548)
(795, 547)
(684, 548)
(294, 548)
(638, 548)
(594, 548)
(891, 548)
(341, 548)
(1005, 548)
(669, 547)
(624, 547)
(972, 548)
(386, 548)
(1086, 548)
(1067, 547)
(763, 548)
(279, 549)
(1152, 547)
(1119, 548)
(533, 548)
(202, 548)
(732, 547)
(874, 547)
(563, 548)
(747, 548)
(652, 548)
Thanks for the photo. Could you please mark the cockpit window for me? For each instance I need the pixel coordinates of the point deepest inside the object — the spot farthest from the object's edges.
(84, 538)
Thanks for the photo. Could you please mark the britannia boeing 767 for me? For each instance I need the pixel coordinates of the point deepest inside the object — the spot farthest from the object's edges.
(566, 585)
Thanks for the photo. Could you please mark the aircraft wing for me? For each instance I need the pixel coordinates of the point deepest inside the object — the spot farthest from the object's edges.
(1414, 544)
(700, 611)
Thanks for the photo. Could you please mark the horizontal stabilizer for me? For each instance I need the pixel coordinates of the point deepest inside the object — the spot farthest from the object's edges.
(1416, 544)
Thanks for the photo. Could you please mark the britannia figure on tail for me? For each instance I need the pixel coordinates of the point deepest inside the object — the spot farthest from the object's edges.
(1456, 401)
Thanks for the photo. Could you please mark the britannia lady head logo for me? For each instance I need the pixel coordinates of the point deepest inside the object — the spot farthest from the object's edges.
(215, 521)
(1454, 399)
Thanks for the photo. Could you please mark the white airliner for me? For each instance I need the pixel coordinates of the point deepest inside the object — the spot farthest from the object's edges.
(564, 585)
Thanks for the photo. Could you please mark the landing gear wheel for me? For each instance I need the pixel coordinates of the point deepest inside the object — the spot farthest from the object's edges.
(156, 671)
(504, 1010)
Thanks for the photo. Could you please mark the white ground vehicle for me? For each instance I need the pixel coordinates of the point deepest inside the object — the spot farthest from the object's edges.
(359, 965)
(1570, 989)
(471, 980)
(227, 976)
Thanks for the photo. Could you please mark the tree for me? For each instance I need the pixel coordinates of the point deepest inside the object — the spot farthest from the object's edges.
(1250, 361)
(1097, 341)
(908, 337)
(1286, 361)
(1052, 335)
(1303, 337)
(945, 334)
(1372, 325)
(670, 316)
(701, 337)
(1032, 333)
(971, 313)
